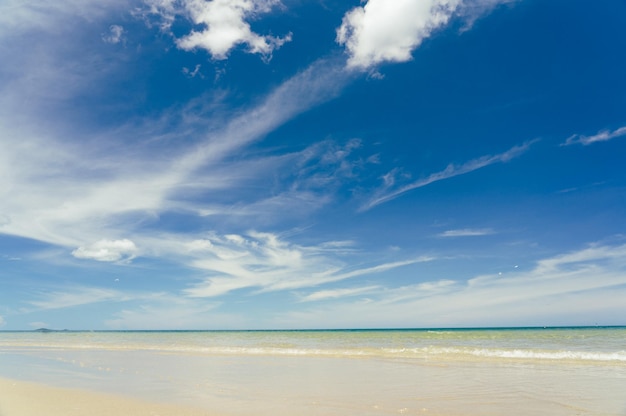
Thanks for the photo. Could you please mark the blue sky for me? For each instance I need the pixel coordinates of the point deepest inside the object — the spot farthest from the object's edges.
(212, 164)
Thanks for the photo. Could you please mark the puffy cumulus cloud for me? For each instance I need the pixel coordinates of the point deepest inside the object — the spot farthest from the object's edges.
(388, 31)
(2, 321)
(225, 25)
(601, 136)
(107, 250)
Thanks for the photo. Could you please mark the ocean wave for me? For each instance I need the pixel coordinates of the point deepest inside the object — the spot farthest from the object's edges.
(521, 354)
(411, 353)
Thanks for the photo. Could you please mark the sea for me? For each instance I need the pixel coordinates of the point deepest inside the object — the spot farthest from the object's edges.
(446, 372)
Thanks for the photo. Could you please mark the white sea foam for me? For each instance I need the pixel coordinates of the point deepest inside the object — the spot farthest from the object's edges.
(522, 354)
(420, 353)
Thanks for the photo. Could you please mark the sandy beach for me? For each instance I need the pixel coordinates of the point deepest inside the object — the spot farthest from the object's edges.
(337, 373)
(19, 398)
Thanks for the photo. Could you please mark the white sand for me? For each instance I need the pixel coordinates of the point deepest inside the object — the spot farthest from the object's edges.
(18, 398)
(146, 383)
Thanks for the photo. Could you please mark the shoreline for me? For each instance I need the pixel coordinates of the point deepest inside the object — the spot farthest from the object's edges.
(312, 374)
(25, 398)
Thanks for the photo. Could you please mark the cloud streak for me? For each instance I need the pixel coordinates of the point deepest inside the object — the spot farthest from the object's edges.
(387, 194)
(162, 311)
(601, 136)
(78, 297)
(100, 198)
(264, 262)
(338, 293)
(575, 287)
(467, 232)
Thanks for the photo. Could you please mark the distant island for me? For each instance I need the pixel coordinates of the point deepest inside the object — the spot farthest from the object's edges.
(49, 330)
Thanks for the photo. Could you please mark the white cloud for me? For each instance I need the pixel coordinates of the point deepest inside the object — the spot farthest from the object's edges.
(115, 35)
(108, 183)
(2, 321)
(265, 262)
(388, 31)
(21, 14)
(107, 250)
(338, 293)
(386, 194)
(108, 190)
(226, 25)
(80, 296)
(466, 232)
(193, 73)
(601, 136)
(582, 287)
(593, 253)
(164, 311)
(472, 10)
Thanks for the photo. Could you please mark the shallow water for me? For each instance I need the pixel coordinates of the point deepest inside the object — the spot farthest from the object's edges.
(565, 371)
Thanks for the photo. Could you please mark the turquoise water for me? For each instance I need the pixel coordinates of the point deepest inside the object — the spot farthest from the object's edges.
(589, 344)
(446, 372)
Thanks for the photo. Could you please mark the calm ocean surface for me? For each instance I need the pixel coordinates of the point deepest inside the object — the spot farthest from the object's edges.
(516, 371)
(567, 345)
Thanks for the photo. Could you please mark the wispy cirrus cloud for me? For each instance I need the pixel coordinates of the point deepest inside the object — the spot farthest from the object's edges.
(77, 297)
(18, 15)
(388, 193)
(166, 311)
(107, 183)
(265, 262)
(583, 258)
(467, 232)
(601, 136)
(575, 287)
(338, 293)
(102, 198)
